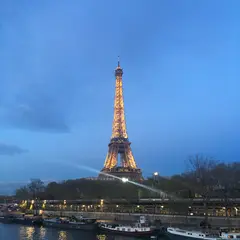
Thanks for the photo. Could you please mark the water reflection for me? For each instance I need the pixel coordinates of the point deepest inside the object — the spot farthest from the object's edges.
(26, 233)
(35, 233)
(62, 235)
(18, 232)
(42, 233)
(111, 237)
(101, 237)
(29, 232)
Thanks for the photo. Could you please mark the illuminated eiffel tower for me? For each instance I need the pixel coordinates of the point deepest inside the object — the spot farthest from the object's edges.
(119, 146)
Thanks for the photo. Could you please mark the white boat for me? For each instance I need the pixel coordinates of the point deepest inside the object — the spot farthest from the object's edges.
(186, 234)
(139, 229)
(190, 235)
(233, 233)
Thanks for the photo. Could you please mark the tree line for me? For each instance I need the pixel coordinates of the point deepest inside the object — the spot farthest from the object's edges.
(205, 177)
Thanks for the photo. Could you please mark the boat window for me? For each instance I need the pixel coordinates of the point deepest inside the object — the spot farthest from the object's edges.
(230, 236)
(129, 229)
(190, 234)
(238, 236)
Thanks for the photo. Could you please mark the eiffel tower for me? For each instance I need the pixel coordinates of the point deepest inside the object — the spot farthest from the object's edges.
(119, 146)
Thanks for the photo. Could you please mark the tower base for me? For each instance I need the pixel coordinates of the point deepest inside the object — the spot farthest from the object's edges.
(120, 172)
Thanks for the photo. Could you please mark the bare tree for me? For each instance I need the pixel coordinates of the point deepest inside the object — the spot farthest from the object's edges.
(227, 175)
(200, 174)
(22, 193)
(35, 187)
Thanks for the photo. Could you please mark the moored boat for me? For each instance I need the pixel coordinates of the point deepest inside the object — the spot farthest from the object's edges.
(178, 234)
(22, 220)
(82, 223)
(139, 229)
(233, 233)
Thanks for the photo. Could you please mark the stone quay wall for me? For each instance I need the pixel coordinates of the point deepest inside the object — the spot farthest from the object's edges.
(166, 219)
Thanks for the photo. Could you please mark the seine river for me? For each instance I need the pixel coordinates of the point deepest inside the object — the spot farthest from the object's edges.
(19, 232)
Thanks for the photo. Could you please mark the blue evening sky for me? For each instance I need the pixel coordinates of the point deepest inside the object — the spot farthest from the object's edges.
(57, 61)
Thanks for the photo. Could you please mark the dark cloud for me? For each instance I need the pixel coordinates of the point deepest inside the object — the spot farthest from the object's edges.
(10, 150)
(36, 118)
(36, 112)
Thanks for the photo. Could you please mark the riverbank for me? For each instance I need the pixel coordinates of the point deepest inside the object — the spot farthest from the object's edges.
(173, 220)
(166, 219)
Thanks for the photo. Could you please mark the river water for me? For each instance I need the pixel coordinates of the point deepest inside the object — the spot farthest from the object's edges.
(19, 232)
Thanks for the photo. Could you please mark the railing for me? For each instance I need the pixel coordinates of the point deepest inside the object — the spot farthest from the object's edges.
(141, 200)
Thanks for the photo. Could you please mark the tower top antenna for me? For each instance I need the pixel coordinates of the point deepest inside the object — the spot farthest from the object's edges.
(118, 70)
(118, 61)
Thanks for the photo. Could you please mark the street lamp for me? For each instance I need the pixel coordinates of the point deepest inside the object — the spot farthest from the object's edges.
(155, 180)
(155, 176)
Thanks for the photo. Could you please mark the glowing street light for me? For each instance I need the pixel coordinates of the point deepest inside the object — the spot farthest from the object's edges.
(155, 177)
(124, 180)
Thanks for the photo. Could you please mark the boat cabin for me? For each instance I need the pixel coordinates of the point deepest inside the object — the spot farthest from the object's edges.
(230, 235)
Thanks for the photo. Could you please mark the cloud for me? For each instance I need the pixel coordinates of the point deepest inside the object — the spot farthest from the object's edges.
(9, 188)
(10, 150)
(36, 112)
(36, 118)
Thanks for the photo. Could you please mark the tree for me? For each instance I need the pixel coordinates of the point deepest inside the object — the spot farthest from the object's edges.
(35, 187)
(22, 193)
(228, 176)
(204, 176)
(200, 174)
